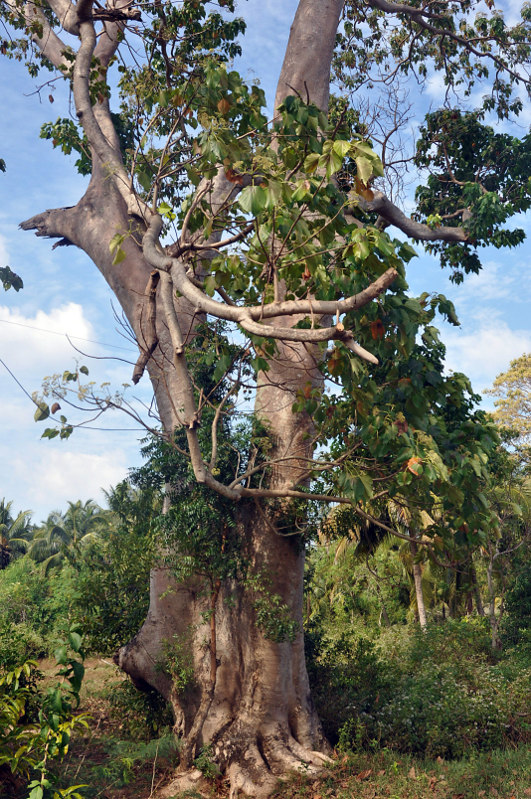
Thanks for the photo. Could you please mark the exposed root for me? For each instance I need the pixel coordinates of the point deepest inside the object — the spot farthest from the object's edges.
(271, 758)
(251, 777)
(308, 755)
(191, 780)
(256, 770)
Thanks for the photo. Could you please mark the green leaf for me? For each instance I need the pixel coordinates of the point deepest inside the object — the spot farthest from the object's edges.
(253, 199)
(311, 163)
(364, 169)
(119, 257)
(144, 178)
(83, 370)
(74, 640)
(42, 412)
(115, 246)
(342, 148)
(165, 210)
(50, 433)
(10, 280)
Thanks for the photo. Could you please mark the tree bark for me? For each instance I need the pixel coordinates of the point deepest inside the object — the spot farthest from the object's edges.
(419, 594)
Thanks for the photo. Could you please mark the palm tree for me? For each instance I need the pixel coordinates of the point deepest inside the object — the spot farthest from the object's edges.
(14, 533)
(63, 535)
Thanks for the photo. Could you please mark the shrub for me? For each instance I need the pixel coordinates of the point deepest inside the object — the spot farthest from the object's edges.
(30, 745)
(18, 643)
(142, 715)
(516, 624)
(435, 692)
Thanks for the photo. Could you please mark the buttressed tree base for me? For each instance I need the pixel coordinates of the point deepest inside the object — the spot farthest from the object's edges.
(262, 247)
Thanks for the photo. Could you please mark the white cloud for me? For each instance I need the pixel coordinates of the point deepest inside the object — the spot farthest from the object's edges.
(436, 87)
(74, 475)
(39, 341)
(485, 353)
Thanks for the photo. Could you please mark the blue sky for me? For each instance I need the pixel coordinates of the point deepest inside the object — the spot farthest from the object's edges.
(64, 293)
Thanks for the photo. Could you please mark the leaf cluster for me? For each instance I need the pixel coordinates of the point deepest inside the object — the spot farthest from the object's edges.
(478, 179)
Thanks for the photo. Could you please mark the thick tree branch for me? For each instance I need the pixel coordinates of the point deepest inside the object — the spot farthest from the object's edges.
(416, 230)
(114, 17)
(109, 156)
(49, 43)
(150, 337)
(57, 223)
(249, 318)
(67, 14)
(306, 66)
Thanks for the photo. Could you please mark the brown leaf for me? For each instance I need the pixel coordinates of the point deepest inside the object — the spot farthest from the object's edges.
(364, 774)
(233, 176)
(223, 106)
(411, 467)
(50, 98)
(412, 774)
(401, 423)
(377, 329)
(55, 407)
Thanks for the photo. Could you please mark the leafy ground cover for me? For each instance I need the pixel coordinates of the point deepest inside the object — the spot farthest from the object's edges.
(115, 759)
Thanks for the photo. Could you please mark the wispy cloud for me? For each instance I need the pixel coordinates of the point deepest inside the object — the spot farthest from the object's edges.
(484, 353)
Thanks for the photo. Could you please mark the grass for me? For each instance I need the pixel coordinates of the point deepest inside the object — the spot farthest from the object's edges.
(115, 767)
(383, 775)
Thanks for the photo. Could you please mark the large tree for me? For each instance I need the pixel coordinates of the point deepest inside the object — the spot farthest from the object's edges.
(200, 209)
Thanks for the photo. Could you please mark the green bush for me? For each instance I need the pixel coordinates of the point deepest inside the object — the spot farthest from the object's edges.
(349, 680)
(142, 715)
(436, 692)
(45, 604)
(36, 725)
(18, 643)
(112, 579)
(516, 624)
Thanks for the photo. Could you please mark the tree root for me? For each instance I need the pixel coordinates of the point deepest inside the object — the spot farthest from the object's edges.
(254, 768)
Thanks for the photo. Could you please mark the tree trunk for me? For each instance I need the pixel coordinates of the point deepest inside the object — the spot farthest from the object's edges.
(417, 578)
(494, 620)
(260, 722)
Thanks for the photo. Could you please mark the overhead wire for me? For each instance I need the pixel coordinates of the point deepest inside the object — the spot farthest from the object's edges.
(66, 335)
